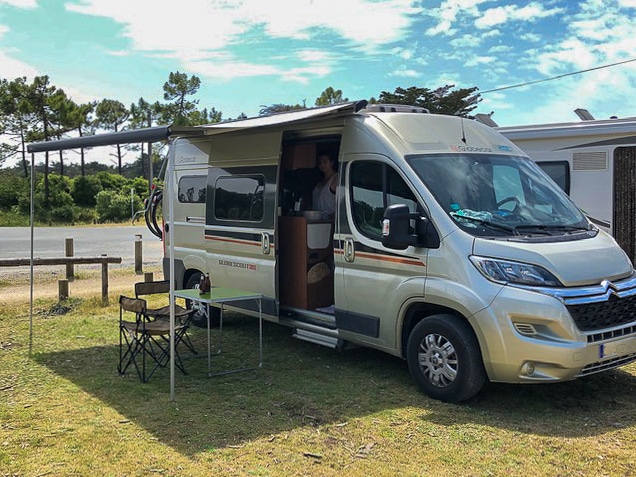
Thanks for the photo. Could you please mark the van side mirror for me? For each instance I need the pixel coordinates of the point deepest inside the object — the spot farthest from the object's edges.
(397, 232)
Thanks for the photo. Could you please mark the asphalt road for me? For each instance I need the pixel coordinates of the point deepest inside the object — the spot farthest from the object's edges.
(49, 242)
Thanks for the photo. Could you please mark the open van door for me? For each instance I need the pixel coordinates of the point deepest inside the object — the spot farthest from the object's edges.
(241, 212)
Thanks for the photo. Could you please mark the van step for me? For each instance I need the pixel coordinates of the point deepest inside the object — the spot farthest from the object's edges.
(316, 338)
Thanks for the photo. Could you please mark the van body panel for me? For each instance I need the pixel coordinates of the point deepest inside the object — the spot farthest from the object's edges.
(241, 211)
(582, 262)
(190, 171)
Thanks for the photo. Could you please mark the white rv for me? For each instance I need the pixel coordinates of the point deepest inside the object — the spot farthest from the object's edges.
(594, 161)
(449, 247)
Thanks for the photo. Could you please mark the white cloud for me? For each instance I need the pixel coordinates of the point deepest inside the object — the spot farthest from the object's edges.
(480, 60)
(200, 29)
(502, 14)
(12, 68)
(466, 41)
(404, 72)
(448, 12)
(214, 24)
(20, 3)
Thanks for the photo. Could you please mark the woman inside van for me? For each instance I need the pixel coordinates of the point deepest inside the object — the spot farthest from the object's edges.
(324, 194)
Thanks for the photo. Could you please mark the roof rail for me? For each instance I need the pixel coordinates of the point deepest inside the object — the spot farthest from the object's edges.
(395, 108)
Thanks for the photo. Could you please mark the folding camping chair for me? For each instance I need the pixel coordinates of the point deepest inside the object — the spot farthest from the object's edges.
(144, 340)
(182, 315)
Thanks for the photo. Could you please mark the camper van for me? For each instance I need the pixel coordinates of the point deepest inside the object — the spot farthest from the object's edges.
(449, 247)
(594, 161)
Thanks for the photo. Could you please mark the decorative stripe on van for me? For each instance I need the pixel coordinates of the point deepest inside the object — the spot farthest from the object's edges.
(243, 238)
(367, 252)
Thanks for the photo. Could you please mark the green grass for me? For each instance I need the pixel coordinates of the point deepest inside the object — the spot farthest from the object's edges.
(64, 410)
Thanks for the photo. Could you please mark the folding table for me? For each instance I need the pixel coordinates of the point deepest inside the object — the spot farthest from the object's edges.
(218, 297)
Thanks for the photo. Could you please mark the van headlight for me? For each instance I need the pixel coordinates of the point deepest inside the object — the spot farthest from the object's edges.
(505, 271)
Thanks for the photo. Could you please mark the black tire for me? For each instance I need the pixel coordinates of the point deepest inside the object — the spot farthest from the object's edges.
(199, 319)
(444, 358)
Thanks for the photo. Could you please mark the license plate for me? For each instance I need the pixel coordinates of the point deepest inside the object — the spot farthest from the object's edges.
(617, 348)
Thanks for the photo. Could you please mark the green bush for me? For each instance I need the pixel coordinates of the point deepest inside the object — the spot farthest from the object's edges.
(11, 187)
(114, 207)
(111, 181)
(64, 214)
(85, 215)
(60, 201)
(85, 189)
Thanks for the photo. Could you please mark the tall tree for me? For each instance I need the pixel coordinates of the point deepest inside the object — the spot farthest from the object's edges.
(80, 119)
(144, 114)
(39, 101)
(16, 117)
(443, 100)
(111, 114)
(181, 111)
(330, 96)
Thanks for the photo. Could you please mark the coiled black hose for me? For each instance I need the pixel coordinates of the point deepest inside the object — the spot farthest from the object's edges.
(152, 207)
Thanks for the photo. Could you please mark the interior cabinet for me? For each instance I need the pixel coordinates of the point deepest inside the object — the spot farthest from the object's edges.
(296, 259)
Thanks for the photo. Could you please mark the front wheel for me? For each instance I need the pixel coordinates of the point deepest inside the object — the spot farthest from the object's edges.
(199, 319)
(444, 358)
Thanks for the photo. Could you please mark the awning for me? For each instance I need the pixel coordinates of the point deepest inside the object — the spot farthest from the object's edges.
(154, 134)
(162, 133)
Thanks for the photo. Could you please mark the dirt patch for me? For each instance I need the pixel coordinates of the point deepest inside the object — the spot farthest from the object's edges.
(15, 283)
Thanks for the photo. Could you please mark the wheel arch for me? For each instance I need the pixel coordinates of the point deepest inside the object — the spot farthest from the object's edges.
(418, 311)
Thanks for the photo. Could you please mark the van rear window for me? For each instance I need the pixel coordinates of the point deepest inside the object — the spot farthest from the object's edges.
(192, 189)
(239, 198)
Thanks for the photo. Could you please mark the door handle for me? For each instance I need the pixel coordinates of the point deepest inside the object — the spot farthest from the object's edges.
(349, 250)
(265, 243)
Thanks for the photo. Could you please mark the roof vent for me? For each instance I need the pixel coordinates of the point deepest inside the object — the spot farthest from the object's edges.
(395, 108)
(584, 114)
(486, 119)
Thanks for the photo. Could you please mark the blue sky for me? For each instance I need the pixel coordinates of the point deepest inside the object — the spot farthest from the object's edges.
(250, 53)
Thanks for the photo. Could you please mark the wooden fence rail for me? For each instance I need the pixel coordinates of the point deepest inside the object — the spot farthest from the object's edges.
(104, 260)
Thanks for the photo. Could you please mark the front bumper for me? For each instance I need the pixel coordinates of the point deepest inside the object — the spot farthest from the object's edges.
(530, 336)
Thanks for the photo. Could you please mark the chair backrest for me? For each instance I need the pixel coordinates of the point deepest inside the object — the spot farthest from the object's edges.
(151, 288)
(134, 305)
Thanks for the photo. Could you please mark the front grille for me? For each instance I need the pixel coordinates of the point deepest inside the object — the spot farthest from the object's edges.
(605, 365)
(604, 314)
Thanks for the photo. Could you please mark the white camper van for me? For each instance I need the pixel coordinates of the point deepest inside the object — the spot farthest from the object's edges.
(449, 247)
(594, 161)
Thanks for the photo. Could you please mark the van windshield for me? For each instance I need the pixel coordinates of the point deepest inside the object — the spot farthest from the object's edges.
(498, 195)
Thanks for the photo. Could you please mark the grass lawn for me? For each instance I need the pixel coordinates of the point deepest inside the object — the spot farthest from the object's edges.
(64, 410)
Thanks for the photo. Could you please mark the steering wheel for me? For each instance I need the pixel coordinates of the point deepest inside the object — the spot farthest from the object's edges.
(512, 198)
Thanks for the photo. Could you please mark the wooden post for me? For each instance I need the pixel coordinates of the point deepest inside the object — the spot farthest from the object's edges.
(138, 260)
(70, 269)
(148, 277)
(62, 289)
(104, 281)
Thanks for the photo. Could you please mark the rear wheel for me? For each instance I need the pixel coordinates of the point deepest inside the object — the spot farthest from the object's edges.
(199, 319)
(444, 358)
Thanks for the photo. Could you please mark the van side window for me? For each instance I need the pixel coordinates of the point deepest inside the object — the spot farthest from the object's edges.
(559, 172)
(375, 186)
(191, 189)
(239, 198)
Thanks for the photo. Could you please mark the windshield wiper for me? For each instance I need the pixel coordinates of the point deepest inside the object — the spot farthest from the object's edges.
(552, 228)
(487, 223)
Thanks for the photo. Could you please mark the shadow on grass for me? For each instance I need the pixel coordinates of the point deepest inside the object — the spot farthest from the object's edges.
(302, 384)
